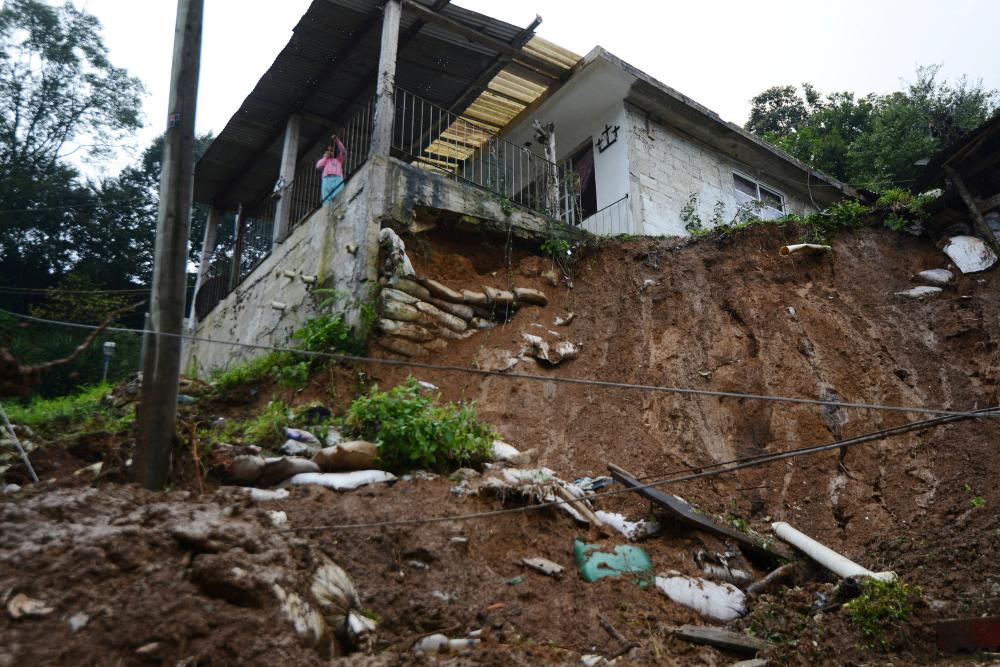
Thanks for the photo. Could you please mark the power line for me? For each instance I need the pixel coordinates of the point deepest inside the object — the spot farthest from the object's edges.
(746, 463)
(605, 384)
(56, 290)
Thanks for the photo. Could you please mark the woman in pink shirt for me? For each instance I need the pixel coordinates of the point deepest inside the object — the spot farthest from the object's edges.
(332, 164)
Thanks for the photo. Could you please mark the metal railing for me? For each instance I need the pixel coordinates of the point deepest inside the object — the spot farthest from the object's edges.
(440, 141)
(612, 220)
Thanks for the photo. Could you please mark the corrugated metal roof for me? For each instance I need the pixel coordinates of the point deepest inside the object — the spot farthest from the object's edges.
(328, 67)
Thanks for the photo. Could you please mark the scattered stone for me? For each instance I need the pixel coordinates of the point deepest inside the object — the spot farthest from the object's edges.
(438, 643)
(246, 469)
(78, 621)
(461, 541)
(463, 474)
(277, 518)
(418, 565)
(22, 606)
(935, 276)
(444, 597)
(280, 468)
(345, 456)
(919, 292)
(532, 296)
(543, 565)
(343, 481)
(553, 353)
(970, 254)
(592, 660)
(564, 321)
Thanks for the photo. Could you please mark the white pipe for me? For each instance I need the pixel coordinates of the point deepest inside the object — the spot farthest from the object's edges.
(803, 249)
(826, 556)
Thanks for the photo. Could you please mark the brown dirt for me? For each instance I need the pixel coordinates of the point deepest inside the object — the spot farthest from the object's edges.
(715, 316)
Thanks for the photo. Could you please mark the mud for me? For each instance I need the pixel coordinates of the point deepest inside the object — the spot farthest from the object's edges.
(726, 315)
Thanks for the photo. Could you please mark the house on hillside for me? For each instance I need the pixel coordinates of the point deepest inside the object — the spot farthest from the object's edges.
(451, 119)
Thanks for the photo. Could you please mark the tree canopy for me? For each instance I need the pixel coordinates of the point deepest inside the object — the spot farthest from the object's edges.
(873, 141)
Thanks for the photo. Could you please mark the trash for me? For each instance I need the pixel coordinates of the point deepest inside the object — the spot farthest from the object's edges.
(720, 602)
(552, 353)
(681, 511)
(515, 581)
(352, 455)
(919, 292)
(592, 660)
(444, 597)
(593, 484)
(543, 565)
(626, 559)
(21, 606)
(510, 454)
(538, 485)
(78, 621)
(280, 468)
(562, 321)
(277, 518)
(723, 639)
(418, 565)
(184, 398)
(774, 577)
(298, 435)
(438, 643)
(970, 254)
(968, 634)
(265, 495)
(717, 566)
(615, 634)
(633, 530)
(148, 649)
(11, 489)
(803, 249)
(427, 386)
(935, 276)
(343, 481)
(339, 603)
(825, 556)
(94, 470)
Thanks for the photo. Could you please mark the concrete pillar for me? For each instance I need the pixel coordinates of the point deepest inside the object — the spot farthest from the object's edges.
(239, 225)
(385, 106)
(286, 178)
(207, 248)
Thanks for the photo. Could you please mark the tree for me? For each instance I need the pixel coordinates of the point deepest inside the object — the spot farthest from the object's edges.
(873, 141)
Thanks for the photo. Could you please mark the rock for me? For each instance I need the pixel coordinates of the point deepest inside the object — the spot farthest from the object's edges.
(11, 489)
(78, 621)
(402, 347)
(563, 321)
(935, 276)
(395, 295)
(919, 292)
(474, 298)
(22, 606)
(970, 254)
(277, 518)
(246, 469)
(412, 288)
(552, 353)
(343, 481)
(456, 309)
(396, 310)
(442, 318)
(501, 451)
(532, 296)
(396, 261)
(352, 455)
(543, 565)
(463, 474)
(498, 297)
(280, 468)
(440, 291)
(407, 330)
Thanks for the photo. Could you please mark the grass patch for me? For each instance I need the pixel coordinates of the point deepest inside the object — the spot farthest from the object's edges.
(60, 415)
(267, 428)
(413, 431)
(881, 610)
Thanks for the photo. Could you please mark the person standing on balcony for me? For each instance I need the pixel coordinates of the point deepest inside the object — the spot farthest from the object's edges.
(332, 166)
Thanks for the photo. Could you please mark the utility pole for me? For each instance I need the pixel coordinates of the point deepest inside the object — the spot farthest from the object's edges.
(161, 367)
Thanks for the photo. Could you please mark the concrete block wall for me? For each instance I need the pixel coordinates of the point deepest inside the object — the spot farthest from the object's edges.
(666, 167)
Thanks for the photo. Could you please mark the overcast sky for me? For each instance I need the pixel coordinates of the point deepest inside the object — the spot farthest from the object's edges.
(718, 52)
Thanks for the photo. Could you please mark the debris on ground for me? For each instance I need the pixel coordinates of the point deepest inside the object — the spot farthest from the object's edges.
(544, 566)
(623, 559)
(719, 602)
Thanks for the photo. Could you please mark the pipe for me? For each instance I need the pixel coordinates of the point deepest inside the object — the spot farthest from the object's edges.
(826, 556)
(803, 249)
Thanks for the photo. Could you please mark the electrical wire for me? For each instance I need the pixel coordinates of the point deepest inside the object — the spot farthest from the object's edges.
(588, 382)
(56, 290)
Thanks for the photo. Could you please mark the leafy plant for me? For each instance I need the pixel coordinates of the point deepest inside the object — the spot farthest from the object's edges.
(689, 215)
(881, 609)
(80, 412)
(902, 208)
(326, 333)
(267, 427)
(412, 431)
(251, 371)
(556, 247)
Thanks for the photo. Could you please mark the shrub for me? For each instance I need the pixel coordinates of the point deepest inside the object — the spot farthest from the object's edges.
(252, 371)
(268, 426)
(327, 333)
(413, 432)
(881, 609)
(82, 411)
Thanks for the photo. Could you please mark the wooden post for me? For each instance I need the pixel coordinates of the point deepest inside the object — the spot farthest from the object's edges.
(385, 86)
(161, 370)
(286, 178)
(978, 221)
(204, 262)
(239, 227)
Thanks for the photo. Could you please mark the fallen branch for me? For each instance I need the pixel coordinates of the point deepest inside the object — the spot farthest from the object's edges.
(18, 380)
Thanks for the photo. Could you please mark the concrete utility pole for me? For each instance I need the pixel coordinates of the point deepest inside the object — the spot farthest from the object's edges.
(161, 368)
(286, 177)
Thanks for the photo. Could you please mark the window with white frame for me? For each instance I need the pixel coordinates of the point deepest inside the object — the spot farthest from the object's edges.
(769, 203)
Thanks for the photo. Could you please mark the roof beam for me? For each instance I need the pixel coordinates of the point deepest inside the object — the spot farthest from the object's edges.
(542, 66)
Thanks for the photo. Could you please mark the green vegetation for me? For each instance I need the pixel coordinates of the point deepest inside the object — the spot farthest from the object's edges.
(413, 432)
(268, 427)
(902, 208)
(80, 412)
(881, 609)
